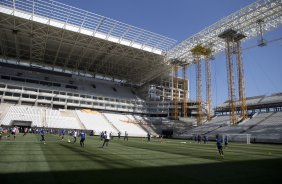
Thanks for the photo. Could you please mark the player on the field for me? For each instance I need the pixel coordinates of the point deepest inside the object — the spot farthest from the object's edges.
(219, 145)
(82, 138)
(148, 137)
(205, 139)
(25, 131)
(62, 134)
(225, 141)
(1, 132)
(42, 133)
(74, 136)
(125, 136)
(161, 137)
(102, 135)
(14, 131)
(199, 138)
(106, 139)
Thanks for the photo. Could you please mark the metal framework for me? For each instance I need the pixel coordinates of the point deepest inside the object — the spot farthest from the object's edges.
(81, 19)
(261, 41)
(198, 52)
(231, 82)
(199, 88)
(208, 88)
(185, 88)
(241, 81)
(251, 21)
(233, 46)
(244, 21)
(64, 38)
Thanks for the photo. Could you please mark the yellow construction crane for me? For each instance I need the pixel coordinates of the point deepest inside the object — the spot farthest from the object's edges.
(233, 46)
(208, 88)
(185, 88)
(198, 52)
(241, 85)
(231, 84)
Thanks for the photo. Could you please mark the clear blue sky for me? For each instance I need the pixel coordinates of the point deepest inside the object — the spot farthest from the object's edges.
(179, 19)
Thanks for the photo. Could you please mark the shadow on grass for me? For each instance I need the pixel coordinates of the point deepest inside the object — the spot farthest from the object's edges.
(258, 171)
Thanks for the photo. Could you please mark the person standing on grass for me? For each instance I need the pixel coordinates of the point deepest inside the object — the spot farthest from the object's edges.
(125, 136)
(199, 138)
(225, 141)
(148, 137)
(205, 139)
(102, 135)
(219, 145)
(74, 136)
(1, 132)
(14, 131)
(107, 138)
(62, 134)
(119, 135)
(42, 133)
(82, 138)
(25, 131)
(111, 136)
(162, 136)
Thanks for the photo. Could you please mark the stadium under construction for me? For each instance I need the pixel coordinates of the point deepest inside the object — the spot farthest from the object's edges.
(65, 68)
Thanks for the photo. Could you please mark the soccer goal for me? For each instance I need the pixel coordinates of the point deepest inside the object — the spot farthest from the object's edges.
(237, 138)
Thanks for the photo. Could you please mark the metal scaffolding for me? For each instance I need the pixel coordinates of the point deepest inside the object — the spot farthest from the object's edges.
(198, 52)
(199, 88)
(253, 20)
(208, 88)
(233, 46)
(243, 20)
(241, 81)
(231, 82)
(185, 88)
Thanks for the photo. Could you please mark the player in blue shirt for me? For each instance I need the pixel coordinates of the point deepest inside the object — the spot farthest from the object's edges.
(205, 139)
(219, 145)
(62, 134)
(42, 133)
(199, 138)
(82, 139)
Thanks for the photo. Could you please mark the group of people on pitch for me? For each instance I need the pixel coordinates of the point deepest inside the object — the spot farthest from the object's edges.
(9, 132)
(106, 136)
(75, 135)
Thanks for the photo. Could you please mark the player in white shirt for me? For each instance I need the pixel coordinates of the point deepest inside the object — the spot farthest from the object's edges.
(14, 131)
(107, 139)
(74, 136)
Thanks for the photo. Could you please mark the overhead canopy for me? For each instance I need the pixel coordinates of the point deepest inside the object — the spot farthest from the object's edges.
(244, 21)
(56, 35)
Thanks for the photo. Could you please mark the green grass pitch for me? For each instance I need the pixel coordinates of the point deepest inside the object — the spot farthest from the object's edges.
(26, 160)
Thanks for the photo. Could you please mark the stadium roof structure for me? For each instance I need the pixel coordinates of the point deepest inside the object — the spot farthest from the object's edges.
(55, 35)
(244, 21)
